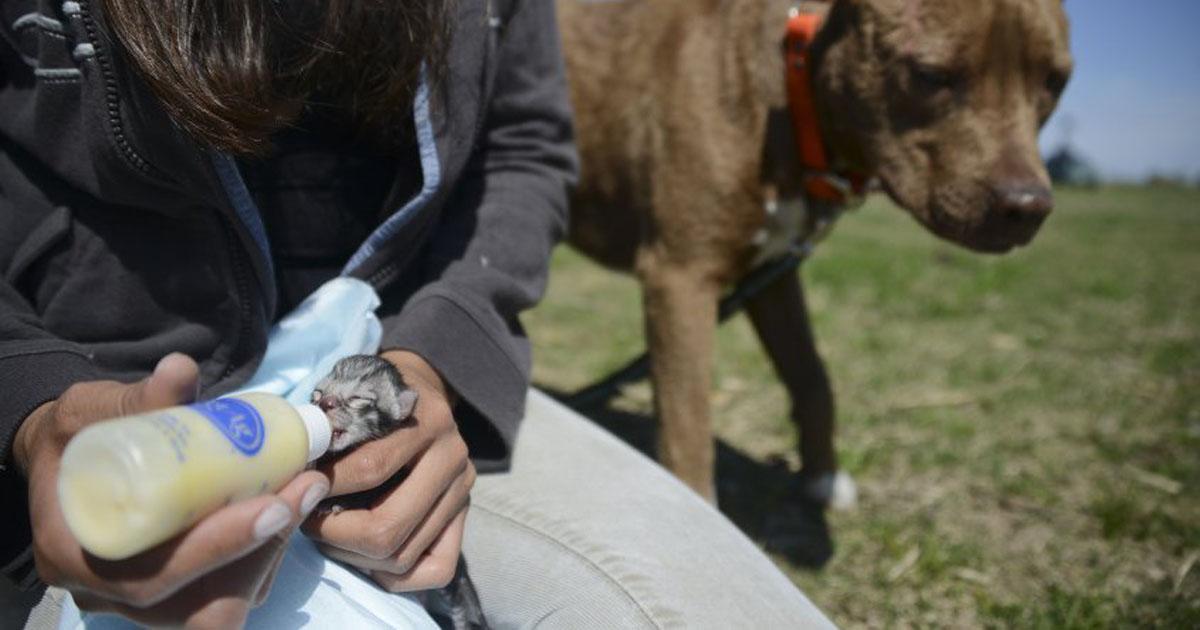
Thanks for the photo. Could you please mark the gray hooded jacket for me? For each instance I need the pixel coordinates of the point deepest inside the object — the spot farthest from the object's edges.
(122, 240)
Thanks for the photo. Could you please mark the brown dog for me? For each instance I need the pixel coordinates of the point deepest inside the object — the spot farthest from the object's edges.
(682, 126)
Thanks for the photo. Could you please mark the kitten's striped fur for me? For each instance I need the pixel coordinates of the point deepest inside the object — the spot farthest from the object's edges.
(365, 398)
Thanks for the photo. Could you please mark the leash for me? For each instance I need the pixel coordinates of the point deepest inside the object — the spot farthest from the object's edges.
(637, 369)
(831, 190)
(751, 285)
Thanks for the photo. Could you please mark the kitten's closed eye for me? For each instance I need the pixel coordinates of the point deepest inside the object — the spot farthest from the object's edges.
(360, 403)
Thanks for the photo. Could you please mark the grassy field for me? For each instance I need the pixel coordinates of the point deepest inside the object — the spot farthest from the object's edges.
(1025, 430)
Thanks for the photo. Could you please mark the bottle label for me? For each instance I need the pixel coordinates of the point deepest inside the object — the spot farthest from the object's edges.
(238, 420)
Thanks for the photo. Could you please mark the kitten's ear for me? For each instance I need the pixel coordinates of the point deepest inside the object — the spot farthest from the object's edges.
(406, 401)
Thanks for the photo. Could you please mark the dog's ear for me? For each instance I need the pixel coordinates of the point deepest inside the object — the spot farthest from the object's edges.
(834, 4)
(843, 15)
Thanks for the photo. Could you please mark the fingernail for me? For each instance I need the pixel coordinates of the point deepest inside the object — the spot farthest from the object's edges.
(272, 521)
(159, 367)
(313, 496)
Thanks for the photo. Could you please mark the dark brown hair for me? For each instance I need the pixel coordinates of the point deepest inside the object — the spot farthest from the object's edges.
(232, 72)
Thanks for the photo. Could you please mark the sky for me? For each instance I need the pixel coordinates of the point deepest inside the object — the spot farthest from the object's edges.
(1133, 104)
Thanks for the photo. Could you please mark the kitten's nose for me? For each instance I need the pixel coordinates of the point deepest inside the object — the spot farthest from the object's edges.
(328, 402)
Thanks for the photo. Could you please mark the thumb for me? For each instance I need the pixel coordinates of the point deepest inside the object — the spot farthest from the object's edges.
(175, 381)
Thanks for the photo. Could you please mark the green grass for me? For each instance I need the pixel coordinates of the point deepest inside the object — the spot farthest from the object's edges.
(1028, 424)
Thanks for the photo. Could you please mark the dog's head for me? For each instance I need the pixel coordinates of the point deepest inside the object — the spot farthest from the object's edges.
(943, 100)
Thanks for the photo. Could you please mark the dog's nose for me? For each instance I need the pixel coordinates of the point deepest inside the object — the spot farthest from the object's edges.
(1023, 202)
(1017, 209)
(1020, 191)
(1024, 199)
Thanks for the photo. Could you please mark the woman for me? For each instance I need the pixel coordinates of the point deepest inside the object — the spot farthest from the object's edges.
(175, 176)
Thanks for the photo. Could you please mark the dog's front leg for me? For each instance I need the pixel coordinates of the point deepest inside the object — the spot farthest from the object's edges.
(780, 318)
(680, 307)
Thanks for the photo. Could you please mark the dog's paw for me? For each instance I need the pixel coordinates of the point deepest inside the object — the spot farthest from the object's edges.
(835, 490)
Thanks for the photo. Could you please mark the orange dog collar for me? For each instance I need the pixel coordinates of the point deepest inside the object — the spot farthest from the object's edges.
(819, 181)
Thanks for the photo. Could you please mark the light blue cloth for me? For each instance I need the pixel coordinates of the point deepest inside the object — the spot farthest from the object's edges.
(310, 590)
(336, 321)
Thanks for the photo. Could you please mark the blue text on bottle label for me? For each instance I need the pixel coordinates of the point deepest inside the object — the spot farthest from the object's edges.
(238, 420)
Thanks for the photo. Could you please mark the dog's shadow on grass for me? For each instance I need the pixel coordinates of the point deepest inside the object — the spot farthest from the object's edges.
(761, 498)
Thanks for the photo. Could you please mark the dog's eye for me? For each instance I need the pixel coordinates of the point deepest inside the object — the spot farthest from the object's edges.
(1056, 82)
(933, 78)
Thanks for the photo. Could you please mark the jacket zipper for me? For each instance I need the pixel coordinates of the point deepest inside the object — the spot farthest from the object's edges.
(241, 286)
(111, 96)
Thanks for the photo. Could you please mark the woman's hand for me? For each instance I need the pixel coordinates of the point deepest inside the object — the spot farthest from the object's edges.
(210, 575)
(410, 539)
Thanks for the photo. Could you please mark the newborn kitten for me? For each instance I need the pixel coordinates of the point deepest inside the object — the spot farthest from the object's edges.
(365, 398)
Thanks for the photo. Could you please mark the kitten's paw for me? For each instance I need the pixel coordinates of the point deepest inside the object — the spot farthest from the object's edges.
(327, 508)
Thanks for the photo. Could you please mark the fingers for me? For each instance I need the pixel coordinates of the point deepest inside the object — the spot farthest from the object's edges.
(210, 573)
(303, 494)
(435, 568)
(453, 503)
(264, 588)
(226, 535)
(373, 463)
(449, 505)
(380, 531)
(175, 381)
(221, 599)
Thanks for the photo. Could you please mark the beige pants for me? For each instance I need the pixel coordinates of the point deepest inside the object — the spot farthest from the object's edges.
(585, 532)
